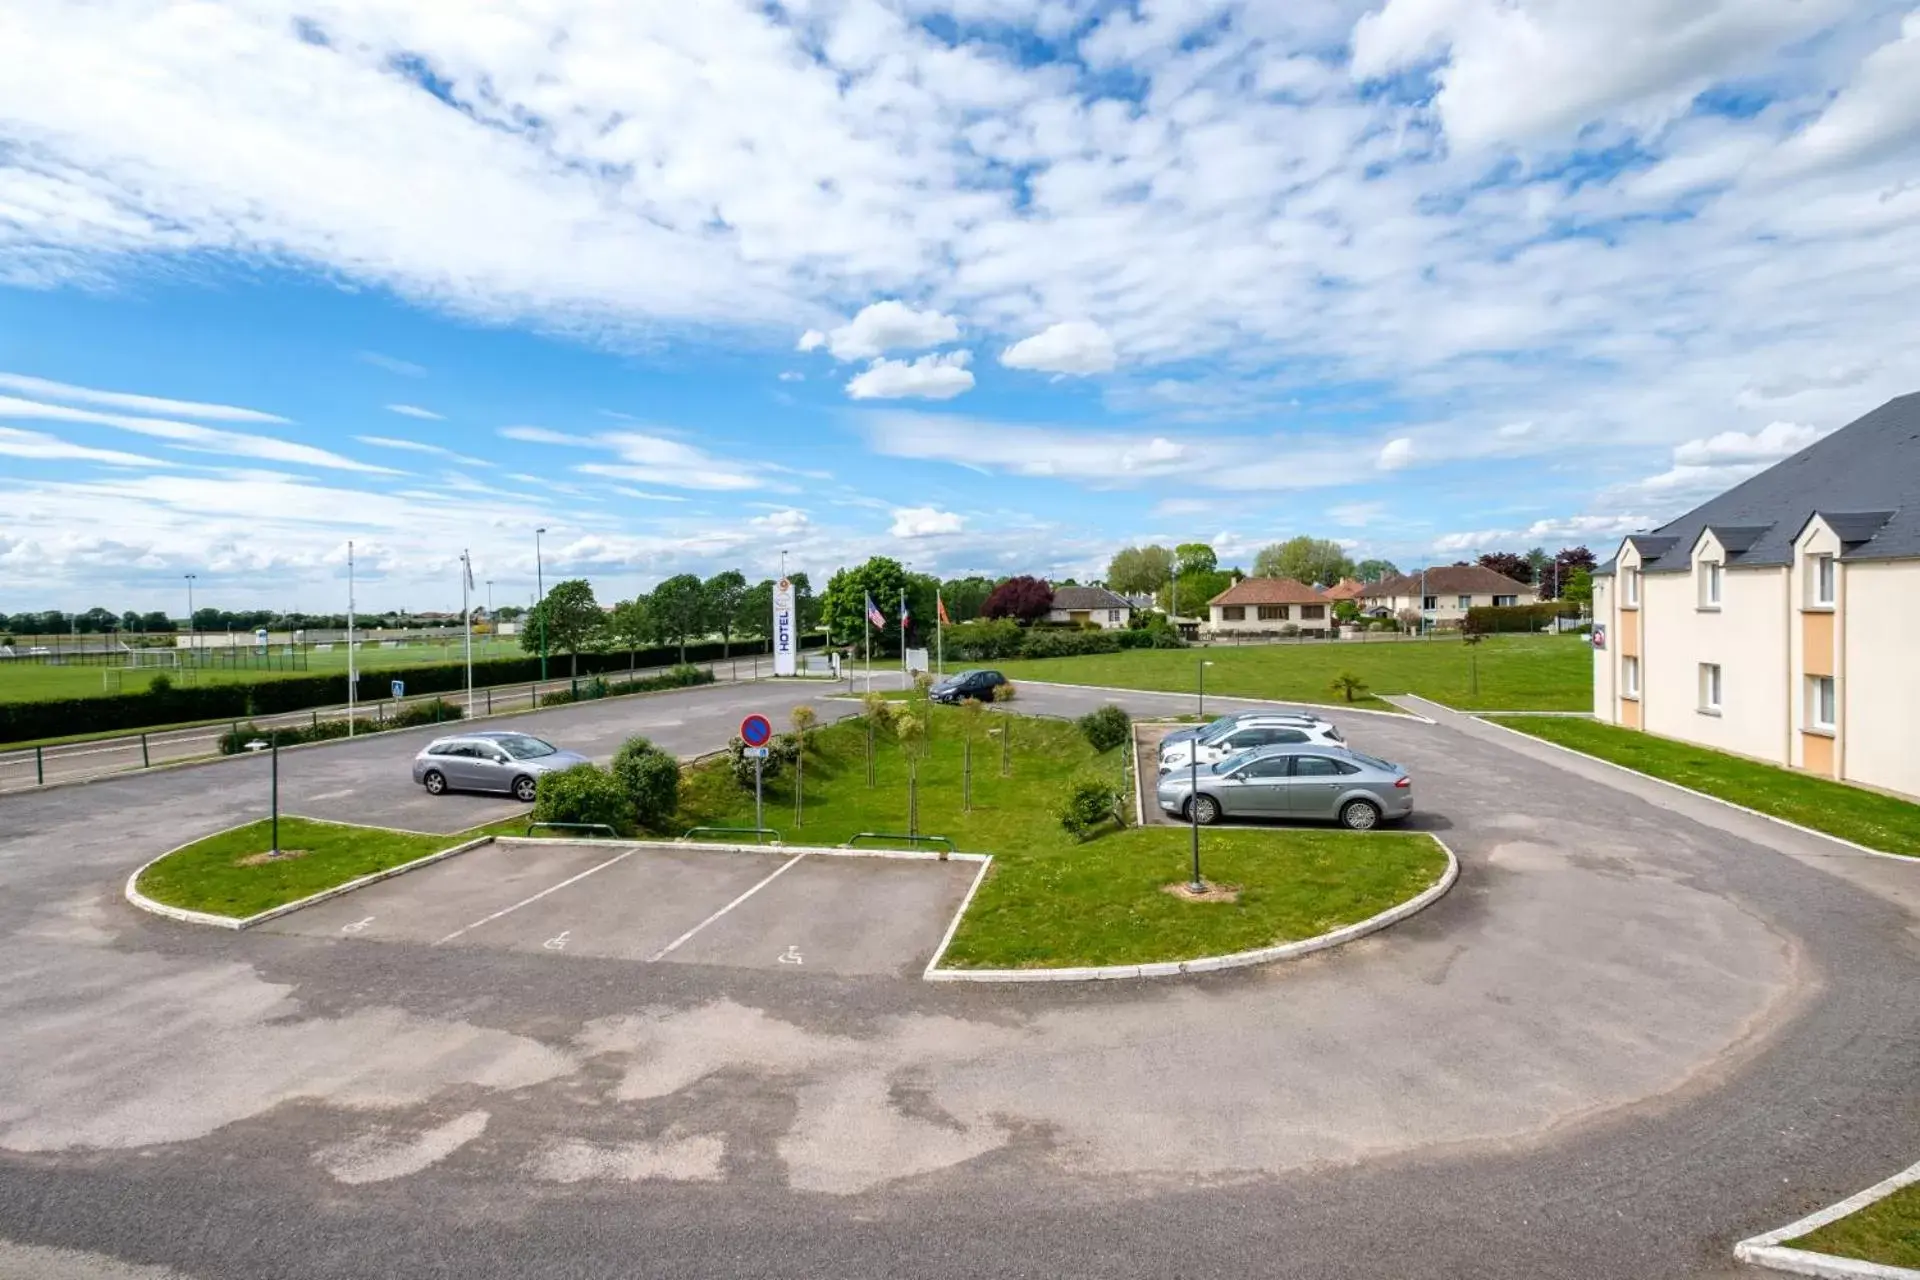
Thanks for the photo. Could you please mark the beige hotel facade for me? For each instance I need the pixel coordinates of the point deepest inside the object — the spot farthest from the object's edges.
(1781, 620)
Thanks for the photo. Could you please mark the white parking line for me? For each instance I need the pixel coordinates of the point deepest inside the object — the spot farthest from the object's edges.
(671, 946)
(536, 897)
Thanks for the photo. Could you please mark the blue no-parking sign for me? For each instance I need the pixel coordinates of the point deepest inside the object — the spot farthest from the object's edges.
(756, 730)
(399, 688)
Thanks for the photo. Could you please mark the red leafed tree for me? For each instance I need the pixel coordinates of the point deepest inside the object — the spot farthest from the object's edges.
(1505, 562)
(1023, 598)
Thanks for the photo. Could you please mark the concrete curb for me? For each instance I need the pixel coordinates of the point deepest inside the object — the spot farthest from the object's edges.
(1765, 1250)
(1909, 859)
(144, 903)
(771, 846)
(1206, 964)
(1139, 801)
(1234, 697)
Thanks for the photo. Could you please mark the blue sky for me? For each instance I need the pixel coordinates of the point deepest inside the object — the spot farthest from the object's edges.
(986, 285)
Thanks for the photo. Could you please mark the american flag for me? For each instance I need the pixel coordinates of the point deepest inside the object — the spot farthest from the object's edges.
(874, 615)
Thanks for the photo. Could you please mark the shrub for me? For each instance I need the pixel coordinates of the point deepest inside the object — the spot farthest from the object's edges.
(161, 683)
(585, 793)
(234, 741)
(1091, 801)
(1349, 684)
(1106, 728)
(1520, 617)
(1066, 643)
(985, 640)
(436, 711)
(1151, 631)
(781, 752)
(651, 779)
(1290, 630)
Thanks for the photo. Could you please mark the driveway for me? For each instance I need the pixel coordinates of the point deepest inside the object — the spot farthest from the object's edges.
(1629, 1037)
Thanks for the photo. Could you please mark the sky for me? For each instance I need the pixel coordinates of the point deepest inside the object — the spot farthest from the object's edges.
(992, 286)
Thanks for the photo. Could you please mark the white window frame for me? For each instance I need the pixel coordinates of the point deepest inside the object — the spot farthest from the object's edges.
(1826, 581)
(1630, 588)
(1463, 602)
(1712, 688)
(1630, 677)
(1825, 718)
(1712, 583)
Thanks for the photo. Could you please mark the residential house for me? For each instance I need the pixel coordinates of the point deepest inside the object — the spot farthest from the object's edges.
(1268, 606)
(1781, 619)
(1345, 589)
(1090, 606)
(1444, 593)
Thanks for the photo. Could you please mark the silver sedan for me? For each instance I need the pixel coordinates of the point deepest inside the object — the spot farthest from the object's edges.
(1306, 782)
(490, 760)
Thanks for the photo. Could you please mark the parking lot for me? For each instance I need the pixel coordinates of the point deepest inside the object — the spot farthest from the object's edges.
(740, 908)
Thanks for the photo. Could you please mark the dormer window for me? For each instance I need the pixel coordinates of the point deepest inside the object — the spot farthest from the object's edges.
(1823, 581)
(1712, 573)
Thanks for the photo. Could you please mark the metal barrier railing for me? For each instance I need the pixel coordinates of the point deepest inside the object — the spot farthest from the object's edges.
(755, 832)
(902, 835)
(576, 826)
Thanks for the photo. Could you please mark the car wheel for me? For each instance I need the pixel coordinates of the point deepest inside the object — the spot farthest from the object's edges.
(524, 789)
(1360, 815)
(435, 782)
(1204, 810)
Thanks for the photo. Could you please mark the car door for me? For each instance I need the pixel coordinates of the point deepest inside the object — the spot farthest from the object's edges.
(1316, 785)
(1227, 744)
(1259, 789)
(492, 768)
(456, 762)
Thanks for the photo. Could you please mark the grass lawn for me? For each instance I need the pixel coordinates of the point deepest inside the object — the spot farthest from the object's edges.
(1517, 673)
(1886, 1231)
(213, 874)
(1052, 901)
(1865, 817)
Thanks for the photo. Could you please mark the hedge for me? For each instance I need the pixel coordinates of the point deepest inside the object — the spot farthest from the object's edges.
(1482, 619)
(176, 704)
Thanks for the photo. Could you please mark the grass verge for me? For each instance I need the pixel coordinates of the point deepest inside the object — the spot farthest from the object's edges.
(1864, 817)
(1886, 1231)
(1052, 901)
(223, 874)
(1515, 673)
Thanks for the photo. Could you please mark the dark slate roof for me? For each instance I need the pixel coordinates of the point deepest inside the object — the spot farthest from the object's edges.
(1866, 469)
(1088, 598)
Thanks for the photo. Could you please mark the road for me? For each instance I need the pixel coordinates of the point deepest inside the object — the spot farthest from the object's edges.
(1638, 1030)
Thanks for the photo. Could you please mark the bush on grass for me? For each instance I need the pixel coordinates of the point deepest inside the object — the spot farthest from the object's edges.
(584, 794)
(1059, 643)
(436, 711)
(1106, 728)
(1349, 684)
(651, 779)
(781, 753)
(1091, 801)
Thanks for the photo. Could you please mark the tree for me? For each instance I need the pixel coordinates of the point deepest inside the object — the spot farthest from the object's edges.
(1304, 559)
(1538, 560)
(572, 619)
(1025, 599)
(1195, 590)
(1559, 573)
(1135, 570)
(1375, 570)
(723, 593)
(1195, 557)
(1349, 685)
(1580, 587)
(651, 779)
(1519, 568)
(753, 620)
(843, 606)
(630, 626)
(964, 596)
(678, 608)
(804, 717)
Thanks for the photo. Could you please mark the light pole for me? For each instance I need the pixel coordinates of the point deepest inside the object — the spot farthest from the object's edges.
(1202, 707)
(540, 592)
(191, 629)
(1196, 885)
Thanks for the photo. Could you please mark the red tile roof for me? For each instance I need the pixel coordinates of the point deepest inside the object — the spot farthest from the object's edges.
(1447, 580)
(1268, 591)
(1345, 589)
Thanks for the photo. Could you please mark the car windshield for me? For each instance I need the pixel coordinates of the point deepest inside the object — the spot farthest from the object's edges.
(523, 746)
(1218, 729)
(959, 677)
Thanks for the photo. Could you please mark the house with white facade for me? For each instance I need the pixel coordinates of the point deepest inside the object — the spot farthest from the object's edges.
(1090, 607)
(1444, 593)
(1268, 606)
(1781, 620)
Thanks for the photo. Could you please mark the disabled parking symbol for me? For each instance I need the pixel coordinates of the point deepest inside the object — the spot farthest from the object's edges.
(791, 956)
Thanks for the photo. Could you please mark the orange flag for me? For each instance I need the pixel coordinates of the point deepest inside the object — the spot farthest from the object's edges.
(940, 606)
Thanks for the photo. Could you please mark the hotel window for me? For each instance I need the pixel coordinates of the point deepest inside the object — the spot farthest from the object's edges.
(1629, 677)
(1233, 613)
(1630, 587)
(1823, 581)
(1822, 707)
(1710, 687)
(1711, 579)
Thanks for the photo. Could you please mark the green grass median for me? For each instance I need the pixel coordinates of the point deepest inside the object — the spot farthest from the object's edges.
(1515, 673)
(1886, 1231)
(227, 874)
(1864, 817)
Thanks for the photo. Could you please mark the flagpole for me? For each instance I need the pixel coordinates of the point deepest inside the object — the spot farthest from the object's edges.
(353, 680)
(904, 681)
(866, 625)
(939, 635)
(466, 618)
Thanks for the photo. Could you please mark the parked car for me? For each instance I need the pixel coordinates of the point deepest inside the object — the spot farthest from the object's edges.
(1247, 735)
(1228, 723)
(490, 760)
(1311, 782)
(960, 685)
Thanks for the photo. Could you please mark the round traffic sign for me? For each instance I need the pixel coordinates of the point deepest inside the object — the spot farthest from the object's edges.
(756, 730)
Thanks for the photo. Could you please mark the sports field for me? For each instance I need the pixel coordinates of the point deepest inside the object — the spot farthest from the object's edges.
(39, 682)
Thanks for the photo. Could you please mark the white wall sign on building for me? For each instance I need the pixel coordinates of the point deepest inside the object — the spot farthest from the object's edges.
(786, 638)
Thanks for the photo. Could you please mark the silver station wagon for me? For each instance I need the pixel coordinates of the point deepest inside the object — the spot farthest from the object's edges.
(499, 760)
(1305, 782)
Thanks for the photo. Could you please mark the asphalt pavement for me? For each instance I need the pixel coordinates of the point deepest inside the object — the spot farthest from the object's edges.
(1637, 1030)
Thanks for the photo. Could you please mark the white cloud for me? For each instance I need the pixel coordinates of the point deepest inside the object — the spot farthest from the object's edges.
(924, 522)
(1769, 444)
(49, 390)
(1553, 534)
(543, 435)
(405, 368)
(1356, 515)
(15, 443)
(939, 376)
(1395, 454)
(889, 325)
(1072, 347)
(415, 411)
(792, 375)
(783, 523)
(1875, 117)
(417, 446)
(186, 435)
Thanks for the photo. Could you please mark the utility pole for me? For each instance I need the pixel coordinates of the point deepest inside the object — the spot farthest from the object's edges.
(353, 678)
(192, 631)
(540, 592)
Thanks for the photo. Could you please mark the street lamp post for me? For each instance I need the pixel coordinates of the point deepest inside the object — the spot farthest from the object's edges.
(191, 629)
(1201, 708)
(540, 590)
(1196, 885)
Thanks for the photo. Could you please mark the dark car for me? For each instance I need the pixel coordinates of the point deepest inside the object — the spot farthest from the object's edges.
(978, 685)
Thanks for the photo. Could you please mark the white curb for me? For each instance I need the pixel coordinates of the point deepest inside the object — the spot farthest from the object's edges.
(1204, 964)
(1235, 697)
(1766, 1250)
(1909, 859)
